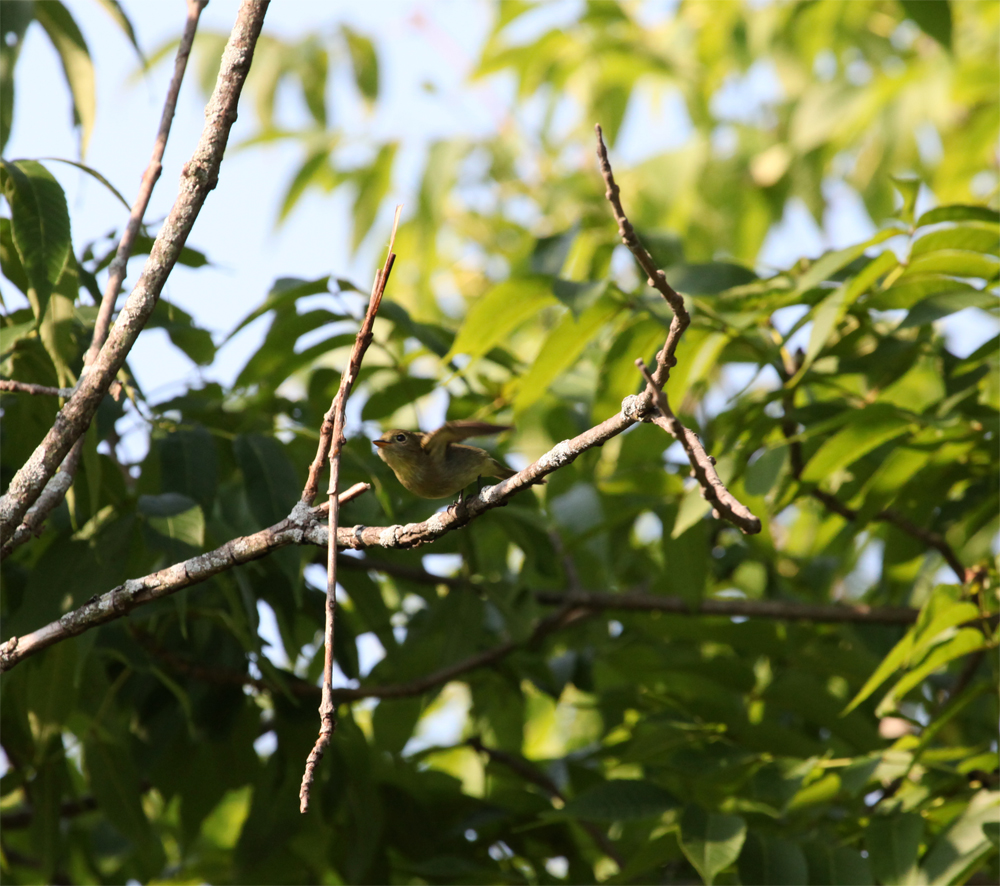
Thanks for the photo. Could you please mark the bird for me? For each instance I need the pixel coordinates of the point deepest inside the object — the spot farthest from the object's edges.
(435, 465)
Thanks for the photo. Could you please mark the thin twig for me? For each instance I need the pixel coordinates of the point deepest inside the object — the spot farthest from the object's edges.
(784, 610)
(665, 359)
(119, 265)
(24, 387)
(198, 177)
(334, 420)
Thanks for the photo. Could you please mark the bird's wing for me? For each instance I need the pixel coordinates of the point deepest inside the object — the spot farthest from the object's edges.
(437, 441)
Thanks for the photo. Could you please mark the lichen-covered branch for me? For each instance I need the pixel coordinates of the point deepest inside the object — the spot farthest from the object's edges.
(123, 599)
(198, 177)
(56, 488)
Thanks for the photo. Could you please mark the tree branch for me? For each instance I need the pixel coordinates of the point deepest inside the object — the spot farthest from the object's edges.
(301, 526)
(198, 177)
(24, 387)
(332, 435)
(785, 610)
(57, 486)
(119, 265)
(665, 360)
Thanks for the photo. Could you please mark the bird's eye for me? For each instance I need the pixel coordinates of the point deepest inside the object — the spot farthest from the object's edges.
(400, 438)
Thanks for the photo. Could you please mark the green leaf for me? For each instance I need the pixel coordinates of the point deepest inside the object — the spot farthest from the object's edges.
(908, 188)
(827, 265)
(561, 349)
(893, 843)
(39, 226)
(93, 173)
(15, 20)
(774, 861)
(620, 800)
(364, 61)
(315, 170)
(974, 236)
(957, 852)
(550, 253)
(710, 278)
(955, 262)
(115, 785)
(965, 642)
(828, 314)
(57, 327)
(938, 306)
(837, 866)
(711, 842)
(10, 261)
(271, 482)
(763, 473)
(939, 614)
(404, 391)
(188, 465)
(499, 312)
(578, 296)
(284, 293)
(863, 431)
(373, 185)
(114, 9)
(196, 343)
(437, 339)
(933, 17)
(958, 213)
(77, 66)
(175, 516)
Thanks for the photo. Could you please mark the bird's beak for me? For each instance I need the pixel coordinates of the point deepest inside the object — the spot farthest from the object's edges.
(380, 443)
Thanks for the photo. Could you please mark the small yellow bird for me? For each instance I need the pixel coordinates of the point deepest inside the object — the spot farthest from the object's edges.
(434, 465)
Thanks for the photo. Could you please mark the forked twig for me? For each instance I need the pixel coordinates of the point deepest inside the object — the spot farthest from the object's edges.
(332, 435)
(723, 502)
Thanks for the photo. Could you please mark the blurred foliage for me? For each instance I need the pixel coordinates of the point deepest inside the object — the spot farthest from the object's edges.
(169, 746)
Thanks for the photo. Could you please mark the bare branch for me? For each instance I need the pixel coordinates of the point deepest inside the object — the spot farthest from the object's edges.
(116, 271)
(665, 360)
(774, 609)
(713, 490)
(332, 434)
(724, 503)
(300, 527)
(53, 493)
(198, 177)
(24, 387)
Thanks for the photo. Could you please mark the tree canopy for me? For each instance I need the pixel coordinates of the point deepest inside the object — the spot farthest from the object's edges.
(744, 632)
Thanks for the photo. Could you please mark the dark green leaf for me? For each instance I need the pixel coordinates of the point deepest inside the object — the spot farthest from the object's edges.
(39, 226)
(620, 800)
(271, 482)
(932, 16)
(76, 64)
(711, 842)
